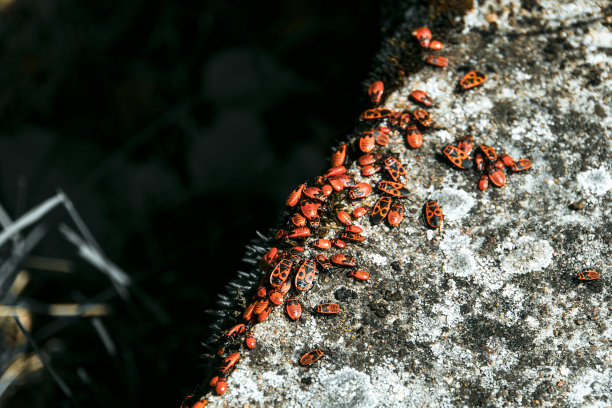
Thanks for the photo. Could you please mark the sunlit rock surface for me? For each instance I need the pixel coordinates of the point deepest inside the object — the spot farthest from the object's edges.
(485, 312)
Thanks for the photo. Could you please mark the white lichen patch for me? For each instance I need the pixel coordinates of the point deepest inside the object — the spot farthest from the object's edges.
(589, 388)
(595, 181)
(528, 255)
(461, 263)
(455, 204)
(346, 388)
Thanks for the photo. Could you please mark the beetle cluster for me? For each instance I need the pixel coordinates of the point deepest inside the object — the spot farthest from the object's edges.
(331, 203)
(486, 162)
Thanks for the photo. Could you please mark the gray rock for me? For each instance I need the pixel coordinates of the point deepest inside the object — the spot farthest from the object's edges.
(487, 311)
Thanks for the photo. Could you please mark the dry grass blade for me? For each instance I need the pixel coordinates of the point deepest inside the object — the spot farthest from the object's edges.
(31, 217)
(42, 358)
(93, 256)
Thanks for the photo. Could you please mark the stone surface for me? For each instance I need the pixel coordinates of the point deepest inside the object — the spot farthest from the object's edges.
(485, 312)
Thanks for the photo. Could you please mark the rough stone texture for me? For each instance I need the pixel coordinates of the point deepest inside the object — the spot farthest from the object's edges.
(487, 311)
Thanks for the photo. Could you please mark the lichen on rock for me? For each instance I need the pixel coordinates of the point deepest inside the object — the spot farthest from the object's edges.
(485, 311)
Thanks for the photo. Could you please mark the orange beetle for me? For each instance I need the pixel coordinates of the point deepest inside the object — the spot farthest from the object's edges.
(381, 209)
(360, 275)
(414, 138)
(436, 45)
(360, 212)
(361, 190)
(221, 386)
(264, 315)
(294, 309)
(343, 260)
(466, 144)
(344, 218)
(522, 164)
(472, 79)
(295, 195)
(250, 341)
(339, 156)
(437, 61)
(393, 188)
(375, 91)
(322, 243)
(423, 35)
(396, 214)
(328, 308)
(311, 357)
(236, 330)
(457, 157)
(229, 363)
(586, 276)
(305, 275)
(433, 214)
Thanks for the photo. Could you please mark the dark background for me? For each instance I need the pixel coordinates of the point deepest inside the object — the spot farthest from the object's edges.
(177, 128)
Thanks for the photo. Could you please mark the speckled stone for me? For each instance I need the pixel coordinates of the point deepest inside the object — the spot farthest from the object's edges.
(485, 312)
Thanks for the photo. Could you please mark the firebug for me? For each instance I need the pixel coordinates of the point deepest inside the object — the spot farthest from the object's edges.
(236, 330)
(360, 275)
(298, 220)
(368, 158)
(344, 218)
(250, 341)
(436, 45)
(323, 262)
(360, 190)
(396, 214)
(221, 386)
(376, 113)
(276, 297)
(295, 195)
(375, 91)
(497, 176)
(437, 61)
(309, 209)
(311, 357)
(321, 243)
(338, 243)
(294, 309)
(280, 272)
(414, 138)
(457, 157)
(483, 184)
(352, 236)
(421, 97)
(229, 363)
(328, 308)
(472, 79)
(315, 193)
(343, 260)
(395, 169)
(393, 188)
(339, 156)
(367, 142)
(422, 116)
(521, 164)
(381, 209)
(466, 143)
(586, 276)
(264, 315)
(369, 170)
(433, 214)
(488, 153)
(305, 275)
(360, 212)
(335, 171)
(508, 161)
(423, 35)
